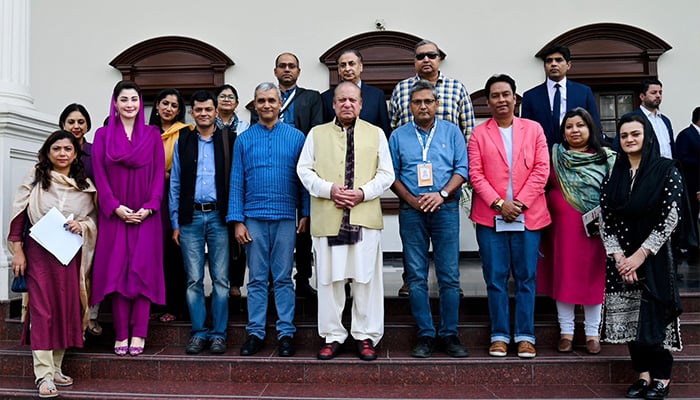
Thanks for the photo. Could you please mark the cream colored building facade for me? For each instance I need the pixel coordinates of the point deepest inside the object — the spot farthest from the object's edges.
(57, 52)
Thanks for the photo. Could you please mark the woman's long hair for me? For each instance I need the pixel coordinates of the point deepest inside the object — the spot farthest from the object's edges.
(594, 142)
(44, 167)
(154, 119)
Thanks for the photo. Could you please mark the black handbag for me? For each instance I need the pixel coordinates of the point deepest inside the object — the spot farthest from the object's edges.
(19, 284)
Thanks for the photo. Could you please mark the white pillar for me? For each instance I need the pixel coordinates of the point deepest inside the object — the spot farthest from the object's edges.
(22, 128)
(14, 53)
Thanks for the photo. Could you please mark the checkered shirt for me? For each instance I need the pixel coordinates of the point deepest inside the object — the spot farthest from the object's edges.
(455, 103)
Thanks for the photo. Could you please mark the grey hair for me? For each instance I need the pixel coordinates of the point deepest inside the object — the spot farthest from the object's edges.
(265, 86)
(423, 85)
(426, 41)
(345, 83)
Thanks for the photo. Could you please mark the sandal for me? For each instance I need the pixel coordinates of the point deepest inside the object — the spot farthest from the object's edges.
(94, 328)
(137, 345)
(46, 388)
(59, 379)
(167, 317)
(121, 347)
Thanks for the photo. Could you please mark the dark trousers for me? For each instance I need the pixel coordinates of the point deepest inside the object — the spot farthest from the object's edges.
(651, 358)
(303, 256)
(237, 264)
(175, 278)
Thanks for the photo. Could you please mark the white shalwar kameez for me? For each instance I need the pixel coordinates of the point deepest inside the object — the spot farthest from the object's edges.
(362, 262)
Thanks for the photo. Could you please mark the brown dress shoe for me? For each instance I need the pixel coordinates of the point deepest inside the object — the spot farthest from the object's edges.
(498, 349)
(565, 345)
(526, 350)
(592, 346)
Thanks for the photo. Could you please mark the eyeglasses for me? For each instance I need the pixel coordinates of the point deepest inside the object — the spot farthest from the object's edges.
(430, 55)
(427, 102)
(231, 97)
(286, 65)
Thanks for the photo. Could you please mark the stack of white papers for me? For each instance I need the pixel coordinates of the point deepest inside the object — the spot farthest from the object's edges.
(51, 235)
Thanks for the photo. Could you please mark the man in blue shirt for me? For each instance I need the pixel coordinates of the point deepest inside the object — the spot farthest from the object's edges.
(430, 162)
(198, 200)
(303, 109)
(265, 197)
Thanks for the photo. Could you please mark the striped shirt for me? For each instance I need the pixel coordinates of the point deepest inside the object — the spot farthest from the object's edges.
(264, 181)
(455, 103)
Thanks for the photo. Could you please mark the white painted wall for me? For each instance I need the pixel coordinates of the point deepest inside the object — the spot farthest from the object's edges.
(73, 41)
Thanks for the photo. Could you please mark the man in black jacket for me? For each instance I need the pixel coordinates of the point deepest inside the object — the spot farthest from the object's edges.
(198, 205)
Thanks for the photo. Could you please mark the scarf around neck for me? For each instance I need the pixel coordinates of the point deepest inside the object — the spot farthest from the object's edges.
(580, 175)
(169, 138)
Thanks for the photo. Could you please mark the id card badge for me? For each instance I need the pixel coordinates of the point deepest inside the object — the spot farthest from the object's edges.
(425, 174)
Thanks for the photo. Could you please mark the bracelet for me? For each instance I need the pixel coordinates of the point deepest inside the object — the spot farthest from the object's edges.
(645, 252)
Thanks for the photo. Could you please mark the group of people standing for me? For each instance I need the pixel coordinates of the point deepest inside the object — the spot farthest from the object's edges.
(308, 174)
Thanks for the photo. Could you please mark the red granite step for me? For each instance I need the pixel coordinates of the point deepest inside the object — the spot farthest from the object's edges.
(166, 371)
(115, 389)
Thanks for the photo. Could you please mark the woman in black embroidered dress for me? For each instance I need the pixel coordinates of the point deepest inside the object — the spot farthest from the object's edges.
(641, 206)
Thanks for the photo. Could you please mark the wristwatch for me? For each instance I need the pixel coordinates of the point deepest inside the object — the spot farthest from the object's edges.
(444, 194)
(499, 205)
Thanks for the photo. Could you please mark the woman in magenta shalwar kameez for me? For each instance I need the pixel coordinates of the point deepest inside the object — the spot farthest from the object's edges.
(572, 270)
(129, 168)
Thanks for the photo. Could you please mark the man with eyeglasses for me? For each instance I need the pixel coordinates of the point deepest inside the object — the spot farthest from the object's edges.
(430, 164)
(455, 103)
(303, 109)
(374, 108)
(232, 126)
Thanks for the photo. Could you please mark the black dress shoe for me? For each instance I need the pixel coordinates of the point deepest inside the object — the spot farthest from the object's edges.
(304, 289)
(424, 347)
(637, 390)
(286, 347)
(453, 347)
(252, 345)
(218, 345)
(196, 345)
(657, 390)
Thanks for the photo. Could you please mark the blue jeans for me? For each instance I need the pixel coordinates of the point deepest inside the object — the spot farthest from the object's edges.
(271, 252)
(417, 230)
(501, 253)
(206, 228)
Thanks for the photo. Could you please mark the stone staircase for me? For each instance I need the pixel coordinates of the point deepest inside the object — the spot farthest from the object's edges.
(164, 371)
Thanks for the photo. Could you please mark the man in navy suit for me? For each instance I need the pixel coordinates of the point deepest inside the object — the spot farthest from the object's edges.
(374, 108)
(688, 153)
(650, 96)
(538, 102)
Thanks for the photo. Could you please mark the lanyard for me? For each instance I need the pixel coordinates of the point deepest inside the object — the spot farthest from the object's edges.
(425, 146)
(288, 101)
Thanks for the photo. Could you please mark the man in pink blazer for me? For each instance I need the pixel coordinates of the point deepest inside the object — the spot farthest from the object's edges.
(508, 169)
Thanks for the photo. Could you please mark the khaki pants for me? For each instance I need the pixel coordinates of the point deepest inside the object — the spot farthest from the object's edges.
(47, 362)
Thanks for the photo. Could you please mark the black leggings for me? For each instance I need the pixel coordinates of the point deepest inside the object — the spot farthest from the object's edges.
(651, 358)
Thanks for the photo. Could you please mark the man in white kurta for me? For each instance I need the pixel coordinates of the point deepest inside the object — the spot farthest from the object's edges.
(346, 221)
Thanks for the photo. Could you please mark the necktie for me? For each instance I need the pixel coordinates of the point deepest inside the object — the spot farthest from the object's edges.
(556, 110)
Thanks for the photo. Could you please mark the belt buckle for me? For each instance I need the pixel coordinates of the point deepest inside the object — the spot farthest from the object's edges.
(208, 207)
